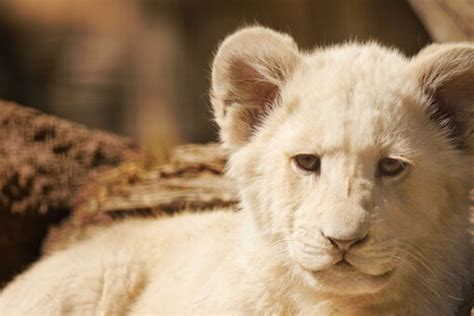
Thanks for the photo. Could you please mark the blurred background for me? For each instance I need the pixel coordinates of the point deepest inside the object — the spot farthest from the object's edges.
(141, 67)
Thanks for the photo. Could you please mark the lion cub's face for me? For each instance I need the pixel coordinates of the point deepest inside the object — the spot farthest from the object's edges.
(339, 156)
(342, 169)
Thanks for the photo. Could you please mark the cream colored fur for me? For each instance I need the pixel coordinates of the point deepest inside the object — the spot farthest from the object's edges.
(351, 105)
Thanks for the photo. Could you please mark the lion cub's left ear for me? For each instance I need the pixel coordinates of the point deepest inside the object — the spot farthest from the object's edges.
(446, 74)
(249, 71)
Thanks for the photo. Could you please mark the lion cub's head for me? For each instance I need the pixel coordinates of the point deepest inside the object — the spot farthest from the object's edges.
(355, 158)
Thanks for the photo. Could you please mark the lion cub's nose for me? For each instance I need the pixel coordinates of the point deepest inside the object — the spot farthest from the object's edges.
(345, 244)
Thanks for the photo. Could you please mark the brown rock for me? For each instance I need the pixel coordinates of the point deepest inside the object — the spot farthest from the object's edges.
(43, 159)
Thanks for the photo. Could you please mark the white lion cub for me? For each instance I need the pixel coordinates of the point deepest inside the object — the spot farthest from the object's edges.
(353, 165)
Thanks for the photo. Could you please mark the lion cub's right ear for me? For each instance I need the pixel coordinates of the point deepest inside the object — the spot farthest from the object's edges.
(446, 75)
(249, 71)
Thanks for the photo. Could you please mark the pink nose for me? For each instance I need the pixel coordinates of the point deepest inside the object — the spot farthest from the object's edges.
(345, 244)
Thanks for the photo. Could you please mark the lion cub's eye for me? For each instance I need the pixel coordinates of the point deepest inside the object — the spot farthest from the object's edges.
(391, 167)
(308, 162)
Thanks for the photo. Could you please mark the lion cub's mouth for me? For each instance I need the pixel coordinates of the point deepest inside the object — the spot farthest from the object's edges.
(343, 264)
(346, 268)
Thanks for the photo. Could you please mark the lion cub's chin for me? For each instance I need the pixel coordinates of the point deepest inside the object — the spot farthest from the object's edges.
(343, 279)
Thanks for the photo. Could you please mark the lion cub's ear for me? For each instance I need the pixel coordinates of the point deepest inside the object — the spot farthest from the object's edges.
(249, 71)
(446, 74)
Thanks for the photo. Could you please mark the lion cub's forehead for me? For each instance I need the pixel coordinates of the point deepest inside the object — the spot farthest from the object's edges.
(353, 96)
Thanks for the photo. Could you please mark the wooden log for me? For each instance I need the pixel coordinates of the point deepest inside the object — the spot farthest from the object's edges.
(446, 20)
(192, 180)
